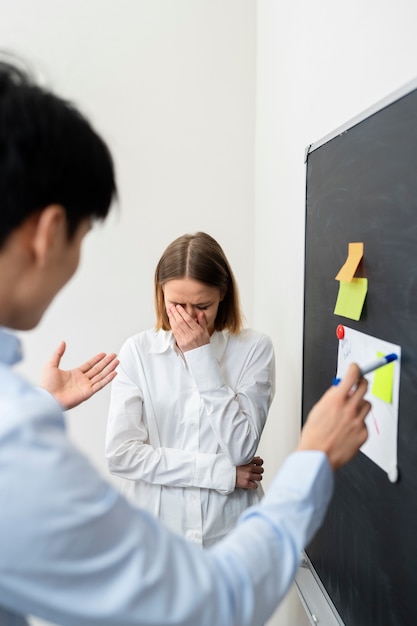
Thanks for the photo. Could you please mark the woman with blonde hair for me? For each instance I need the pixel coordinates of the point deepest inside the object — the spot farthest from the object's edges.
(191, 398)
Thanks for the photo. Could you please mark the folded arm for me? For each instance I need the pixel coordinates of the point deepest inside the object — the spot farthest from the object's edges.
(130, 454)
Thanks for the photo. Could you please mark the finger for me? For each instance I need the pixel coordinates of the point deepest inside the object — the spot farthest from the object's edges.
(358, 393)
(91, 363)
(351, 378)
(257, 469)
(171, 317)
(362, 429)
(257, 460)
(190, 323)
(364, 410)
(177, 322)
(182, 316)
(103, 382)
(103, 368)
(108, 359)
(174, 313)
(364, 434)
(57, 355)
(186, 316)
(178, 326)
(201, 320)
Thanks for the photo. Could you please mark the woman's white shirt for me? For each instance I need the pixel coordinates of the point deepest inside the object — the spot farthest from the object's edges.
(180, 424)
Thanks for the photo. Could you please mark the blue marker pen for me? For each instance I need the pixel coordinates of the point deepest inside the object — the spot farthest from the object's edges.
(389, 358)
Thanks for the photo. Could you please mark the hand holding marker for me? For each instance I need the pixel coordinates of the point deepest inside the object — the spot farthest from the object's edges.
(389, 358)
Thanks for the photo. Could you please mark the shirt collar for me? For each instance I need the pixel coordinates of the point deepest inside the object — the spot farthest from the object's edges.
(165, 340)
(10, 348)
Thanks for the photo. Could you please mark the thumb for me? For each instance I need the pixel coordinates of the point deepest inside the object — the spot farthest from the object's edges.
(57, 355)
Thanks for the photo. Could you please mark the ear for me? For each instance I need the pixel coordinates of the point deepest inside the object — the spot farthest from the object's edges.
(50, 232)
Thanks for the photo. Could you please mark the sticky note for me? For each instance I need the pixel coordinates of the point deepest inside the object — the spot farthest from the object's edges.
(355, 254)
(351, 298)
(383, 381)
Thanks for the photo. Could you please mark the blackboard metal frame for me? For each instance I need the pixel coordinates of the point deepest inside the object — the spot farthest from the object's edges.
(314, 597)
(311, 591)
(375, 108)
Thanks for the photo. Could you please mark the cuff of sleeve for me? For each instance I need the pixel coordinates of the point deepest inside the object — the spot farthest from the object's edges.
(204, 368)
(305, 472)
(214, 471)
(47, 394)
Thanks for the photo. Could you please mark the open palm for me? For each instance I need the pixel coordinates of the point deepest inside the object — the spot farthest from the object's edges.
(71, 387)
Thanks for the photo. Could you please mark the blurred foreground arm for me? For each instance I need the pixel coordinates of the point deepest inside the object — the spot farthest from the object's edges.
(111, 563)
(71, 387)
(270, 538)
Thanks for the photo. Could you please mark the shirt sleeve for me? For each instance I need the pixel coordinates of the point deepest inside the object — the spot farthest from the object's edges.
(78, 553)
(131, 456)
(237, 417)
(266, 548)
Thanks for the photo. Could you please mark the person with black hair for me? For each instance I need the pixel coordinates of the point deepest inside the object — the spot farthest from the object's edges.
(73, 550)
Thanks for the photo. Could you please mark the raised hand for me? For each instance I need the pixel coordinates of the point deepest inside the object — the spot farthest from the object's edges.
(249, 475)
(71, 387)
(336, 424)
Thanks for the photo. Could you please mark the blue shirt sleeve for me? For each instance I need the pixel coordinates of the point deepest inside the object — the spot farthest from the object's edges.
(75, 552)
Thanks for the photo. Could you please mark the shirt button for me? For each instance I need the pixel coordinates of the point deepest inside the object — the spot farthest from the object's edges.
(192, 423)
(193, 496)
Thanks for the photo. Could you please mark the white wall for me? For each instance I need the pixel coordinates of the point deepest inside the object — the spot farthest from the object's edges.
(172, 86)
(319, 64)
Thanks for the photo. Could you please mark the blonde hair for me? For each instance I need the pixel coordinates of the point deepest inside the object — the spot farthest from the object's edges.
(201, 258)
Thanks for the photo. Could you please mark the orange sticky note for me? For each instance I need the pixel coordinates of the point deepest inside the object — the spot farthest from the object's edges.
(355, 254)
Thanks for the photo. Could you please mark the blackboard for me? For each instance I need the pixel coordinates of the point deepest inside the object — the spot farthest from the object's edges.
(361, 186)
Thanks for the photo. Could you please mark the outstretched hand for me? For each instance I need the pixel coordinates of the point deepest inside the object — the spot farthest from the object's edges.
(71, 387)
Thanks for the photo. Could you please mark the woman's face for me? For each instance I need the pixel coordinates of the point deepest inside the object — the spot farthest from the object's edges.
(194, 297)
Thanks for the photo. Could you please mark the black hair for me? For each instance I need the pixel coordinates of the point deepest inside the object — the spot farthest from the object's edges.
(49, 154)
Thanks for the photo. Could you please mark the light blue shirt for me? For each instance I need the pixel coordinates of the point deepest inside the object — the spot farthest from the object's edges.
(74, 552)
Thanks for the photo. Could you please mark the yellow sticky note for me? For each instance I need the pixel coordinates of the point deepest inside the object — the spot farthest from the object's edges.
(351, 298)
(383, 381)
(355, 254)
